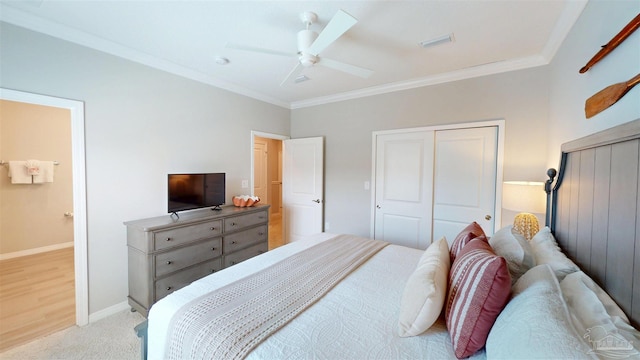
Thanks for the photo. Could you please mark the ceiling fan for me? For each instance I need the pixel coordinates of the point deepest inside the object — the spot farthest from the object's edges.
(311, 44)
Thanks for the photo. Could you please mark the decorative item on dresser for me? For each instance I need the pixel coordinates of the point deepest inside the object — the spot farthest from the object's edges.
(166, 254)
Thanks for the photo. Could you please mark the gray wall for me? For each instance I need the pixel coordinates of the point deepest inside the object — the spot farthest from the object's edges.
(140, 124)
(599, 22)
(520, 98)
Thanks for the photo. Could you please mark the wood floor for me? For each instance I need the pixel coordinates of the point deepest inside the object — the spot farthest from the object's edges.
(276, 238)
(37, 296)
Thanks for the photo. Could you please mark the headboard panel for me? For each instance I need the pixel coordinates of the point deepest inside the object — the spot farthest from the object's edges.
(595, 210)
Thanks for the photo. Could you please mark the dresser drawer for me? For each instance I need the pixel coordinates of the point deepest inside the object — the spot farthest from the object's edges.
(181, 235)
(244, 238)
(185, 277)
(175, 260)
(242, 221)
(242, 255)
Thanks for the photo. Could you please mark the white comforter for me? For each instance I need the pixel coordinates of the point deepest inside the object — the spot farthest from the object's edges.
(357, 319)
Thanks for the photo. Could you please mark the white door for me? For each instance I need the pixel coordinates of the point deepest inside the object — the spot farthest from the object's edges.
(260, 171)
(403, 194)
(303, 187)
(465, 180)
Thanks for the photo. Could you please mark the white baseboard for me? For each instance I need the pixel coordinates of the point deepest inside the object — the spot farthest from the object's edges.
(39, 250)
(111, 310)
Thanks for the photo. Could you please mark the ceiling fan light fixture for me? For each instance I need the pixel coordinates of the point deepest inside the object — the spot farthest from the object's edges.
(305, 39)
(307, 60)
(437, 41)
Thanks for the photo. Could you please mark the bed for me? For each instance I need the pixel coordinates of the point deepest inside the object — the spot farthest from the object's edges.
(472, 297)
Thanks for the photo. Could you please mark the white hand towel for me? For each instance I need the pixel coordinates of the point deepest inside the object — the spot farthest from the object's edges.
(33, 167)
(46, 173)
(18, 173)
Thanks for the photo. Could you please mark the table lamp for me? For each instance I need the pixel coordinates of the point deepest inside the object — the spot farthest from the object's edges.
(526, 198)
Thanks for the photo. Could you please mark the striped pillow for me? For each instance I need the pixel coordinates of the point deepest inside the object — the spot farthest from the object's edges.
(472, 231)
(479, 288)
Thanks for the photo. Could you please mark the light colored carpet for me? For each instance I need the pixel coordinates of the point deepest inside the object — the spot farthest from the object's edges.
(110, 338)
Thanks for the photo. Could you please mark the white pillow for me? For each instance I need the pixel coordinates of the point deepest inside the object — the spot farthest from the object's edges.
(425, 290)
(515, 249)
(536, 322)
(546, 251)
(599, 319)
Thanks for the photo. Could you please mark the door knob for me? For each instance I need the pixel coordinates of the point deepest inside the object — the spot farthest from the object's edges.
(68, 214)
(378, 207)
(316, 201)
(487, 217)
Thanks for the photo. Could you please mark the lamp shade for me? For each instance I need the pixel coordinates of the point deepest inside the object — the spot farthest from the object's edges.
(524, 196)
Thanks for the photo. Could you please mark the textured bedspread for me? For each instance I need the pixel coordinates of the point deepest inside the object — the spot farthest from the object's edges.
(357, 319)
(230, 322)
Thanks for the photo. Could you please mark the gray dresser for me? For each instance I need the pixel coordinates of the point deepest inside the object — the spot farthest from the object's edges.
(166, 254)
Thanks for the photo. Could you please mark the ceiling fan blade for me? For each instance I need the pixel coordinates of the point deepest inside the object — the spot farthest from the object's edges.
(344, 67)
(339, 24)
(259, 50)
(293, 74)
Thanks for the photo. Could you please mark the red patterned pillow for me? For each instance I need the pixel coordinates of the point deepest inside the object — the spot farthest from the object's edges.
(479, 288)
(472, 231)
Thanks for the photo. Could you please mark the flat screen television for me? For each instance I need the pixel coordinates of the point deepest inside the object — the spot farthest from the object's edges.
(193, 191)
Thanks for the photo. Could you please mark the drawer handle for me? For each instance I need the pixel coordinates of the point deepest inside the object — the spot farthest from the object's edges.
(214, 249)
(212, 228)
(213, 270)
(233, 263)
(168, 239)
(233, 224)
(260, 233)
(233, 242)
(169, 288)
(169, 262)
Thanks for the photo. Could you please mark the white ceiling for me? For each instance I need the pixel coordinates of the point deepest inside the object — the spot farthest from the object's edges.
(185, 36)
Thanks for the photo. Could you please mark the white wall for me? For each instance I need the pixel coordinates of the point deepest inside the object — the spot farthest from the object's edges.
(521, 98)
(599, 22)
(140, 124)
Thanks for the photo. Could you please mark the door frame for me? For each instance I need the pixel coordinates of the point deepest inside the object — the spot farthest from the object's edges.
(76, 109)
(499, 123)
(267, 136)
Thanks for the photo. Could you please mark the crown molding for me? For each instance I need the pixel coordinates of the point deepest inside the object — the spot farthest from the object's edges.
(567, 19)
(468, 73)
(572, 11)
(19, 18)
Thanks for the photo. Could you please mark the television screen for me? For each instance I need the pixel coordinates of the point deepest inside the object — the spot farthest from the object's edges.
(193, 191)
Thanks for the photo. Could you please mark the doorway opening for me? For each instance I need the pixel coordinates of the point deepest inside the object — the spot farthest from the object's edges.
(78, 213)
(266, 180)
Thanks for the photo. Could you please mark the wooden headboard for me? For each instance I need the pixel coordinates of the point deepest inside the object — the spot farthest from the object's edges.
(593, 209)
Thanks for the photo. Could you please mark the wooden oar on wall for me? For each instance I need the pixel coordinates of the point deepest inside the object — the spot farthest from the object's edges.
(632, 26)
(608, 96)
